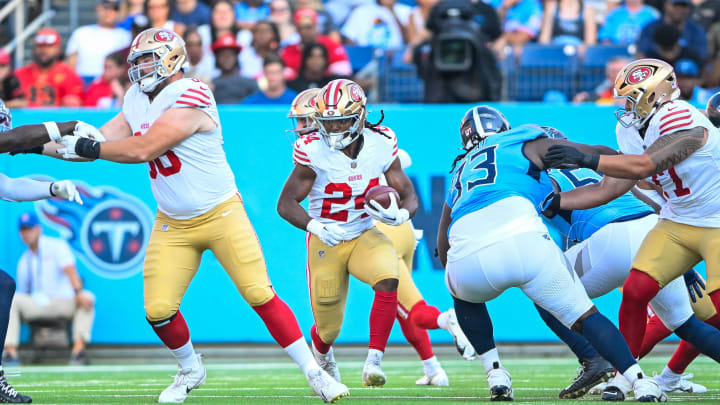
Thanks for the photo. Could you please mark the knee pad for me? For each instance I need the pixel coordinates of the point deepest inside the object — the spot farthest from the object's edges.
(326, 290)
(256, 295)
(159, 313)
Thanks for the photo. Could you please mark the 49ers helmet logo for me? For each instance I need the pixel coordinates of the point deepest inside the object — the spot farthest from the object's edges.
(356, 92)
(164, 36)
(639, 74)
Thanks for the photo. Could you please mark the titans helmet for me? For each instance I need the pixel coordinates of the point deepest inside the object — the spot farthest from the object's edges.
(480, 122)
(713, 109)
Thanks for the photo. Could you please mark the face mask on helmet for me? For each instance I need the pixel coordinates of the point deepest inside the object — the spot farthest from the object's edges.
(628, 116)
(155, 55)
(645, 85)
(302, 125)
(339, 132)
(713, 109)
(5, 118)
(479, 123)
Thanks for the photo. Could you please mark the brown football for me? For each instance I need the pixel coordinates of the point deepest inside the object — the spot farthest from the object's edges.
(381, 194)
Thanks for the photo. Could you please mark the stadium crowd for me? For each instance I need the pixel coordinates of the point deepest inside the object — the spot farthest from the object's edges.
(236, 46)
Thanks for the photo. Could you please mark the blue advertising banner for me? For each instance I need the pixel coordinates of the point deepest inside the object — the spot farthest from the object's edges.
(109, 231)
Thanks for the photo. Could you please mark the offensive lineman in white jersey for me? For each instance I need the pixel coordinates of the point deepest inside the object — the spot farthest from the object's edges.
(673, 145)
(172, 124)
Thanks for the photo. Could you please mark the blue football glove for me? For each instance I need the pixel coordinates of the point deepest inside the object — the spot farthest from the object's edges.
(694, 284)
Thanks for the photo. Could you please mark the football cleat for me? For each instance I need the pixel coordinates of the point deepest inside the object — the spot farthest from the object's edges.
(500, 384)
(8, 394)
(440, 379)
(591, 373)
(647, 390)
(327, 362)
(617, 388)
(463, 345)
(598, 389)
(373, 375)
(681, 384)
(186, 380)
(326, 387)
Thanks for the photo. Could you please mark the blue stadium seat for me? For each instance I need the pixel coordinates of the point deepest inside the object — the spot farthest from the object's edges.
(398, 81)
(359, 56)
(542, 68)
(592, 72)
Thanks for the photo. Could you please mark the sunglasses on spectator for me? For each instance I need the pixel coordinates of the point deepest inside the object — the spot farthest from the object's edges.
(305, 27)
(110, 6)
(278, 9)
(45, 39)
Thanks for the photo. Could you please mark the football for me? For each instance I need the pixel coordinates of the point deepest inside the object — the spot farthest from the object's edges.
(381, 194)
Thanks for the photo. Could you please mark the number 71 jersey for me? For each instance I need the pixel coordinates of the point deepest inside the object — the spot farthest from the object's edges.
(338, 193)
(193, 177)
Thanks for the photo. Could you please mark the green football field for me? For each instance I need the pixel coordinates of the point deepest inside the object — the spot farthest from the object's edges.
(535, 380)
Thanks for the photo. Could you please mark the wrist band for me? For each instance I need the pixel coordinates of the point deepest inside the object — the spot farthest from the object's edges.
(51, 190)
(87, 148)
(53, 130)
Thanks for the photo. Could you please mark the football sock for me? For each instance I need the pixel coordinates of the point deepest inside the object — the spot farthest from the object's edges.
(300, 352)
(633, 373)
(576, 342)
(669, 375)
(173, 331)
(431, 366)
(374, 356)
(683, 356)
(186, 356)
(655, 332)
(417, 337)
(320, 346)
(704, 337)
(638, 290)
(382, 317)
(7, 290)
(280, 321)
(475, 321)
(489, 358)
(608, 341)
(443, 320)
(424, 316)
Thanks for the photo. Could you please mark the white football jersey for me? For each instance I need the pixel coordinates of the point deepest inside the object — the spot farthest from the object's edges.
(193, 177)
(692, 187)
(338, 194)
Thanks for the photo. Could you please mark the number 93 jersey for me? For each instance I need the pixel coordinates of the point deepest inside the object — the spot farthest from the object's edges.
(194, 176)
(691, 187)
(338, 193)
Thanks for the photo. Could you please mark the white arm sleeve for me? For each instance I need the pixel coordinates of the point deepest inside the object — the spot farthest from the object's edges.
(23, 189)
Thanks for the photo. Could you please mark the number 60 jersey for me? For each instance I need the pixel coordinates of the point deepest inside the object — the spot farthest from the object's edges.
(194, 176)
(691, 187)
(338, 194)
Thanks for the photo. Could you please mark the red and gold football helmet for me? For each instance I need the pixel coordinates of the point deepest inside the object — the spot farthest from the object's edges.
(645, 84)
(341, 112)
(302, 110)
(169, 56)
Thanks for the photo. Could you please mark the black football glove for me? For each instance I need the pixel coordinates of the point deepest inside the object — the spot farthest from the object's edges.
(567, 157)
(550, 205)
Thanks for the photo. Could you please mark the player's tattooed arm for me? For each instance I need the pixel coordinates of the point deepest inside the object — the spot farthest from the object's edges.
(30, 138)
(672, 149)
(398, 180)
(296, 189)
(443, 245)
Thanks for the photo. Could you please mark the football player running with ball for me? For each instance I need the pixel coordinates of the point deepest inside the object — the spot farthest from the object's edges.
(172, 124)
(335, 167)
(414, 315)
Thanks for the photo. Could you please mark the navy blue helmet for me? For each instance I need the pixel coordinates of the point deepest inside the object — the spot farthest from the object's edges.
(480, 122)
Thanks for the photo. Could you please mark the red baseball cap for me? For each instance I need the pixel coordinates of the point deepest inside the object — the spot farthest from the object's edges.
(4, 57)
(47, 36)
(225, 41)
(305, 15)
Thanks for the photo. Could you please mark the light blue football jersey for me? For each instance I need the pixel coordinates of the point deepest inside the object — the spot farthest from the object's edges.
(579, 225)
(496, 170)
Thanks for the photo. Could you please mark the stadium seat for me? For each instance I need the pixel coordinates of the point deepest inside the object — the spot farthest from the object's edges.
(596, 57)
(399, 82)
(360, 56)
(542, 68)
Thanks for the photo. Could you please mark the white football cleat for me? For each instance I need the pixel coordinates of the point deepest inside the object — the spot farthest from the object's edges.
(326, 387)
(185, 381)
(327, 362)
(617, 388)
(461, 341)
(373, 375)
(647, 390)
(500, 384)
(681, 384)
(598, 389)
(440, 379)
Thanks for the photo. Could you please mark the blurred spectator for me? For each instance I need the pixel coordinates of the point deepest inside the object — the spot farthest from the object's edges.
(377, 25)
(90, 44)
(602, 8)
(266, 40)
(677, 14)
(281, 13)
(275, 90)
(10, 92)
(202, 65)
(624, 23)
(604, 92)
(686, 60)
(326, 24)
(417, 32)
(247, 12)
(230, 87)
(158, 14)
(706, 12)
(520, 20)
(222, 21)
(128, 11)
(190, 12)
(688, 74)
(568, 22)
(49, 82)
(108, 90)
(306, 23)
(49, 287)
(313, 71)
